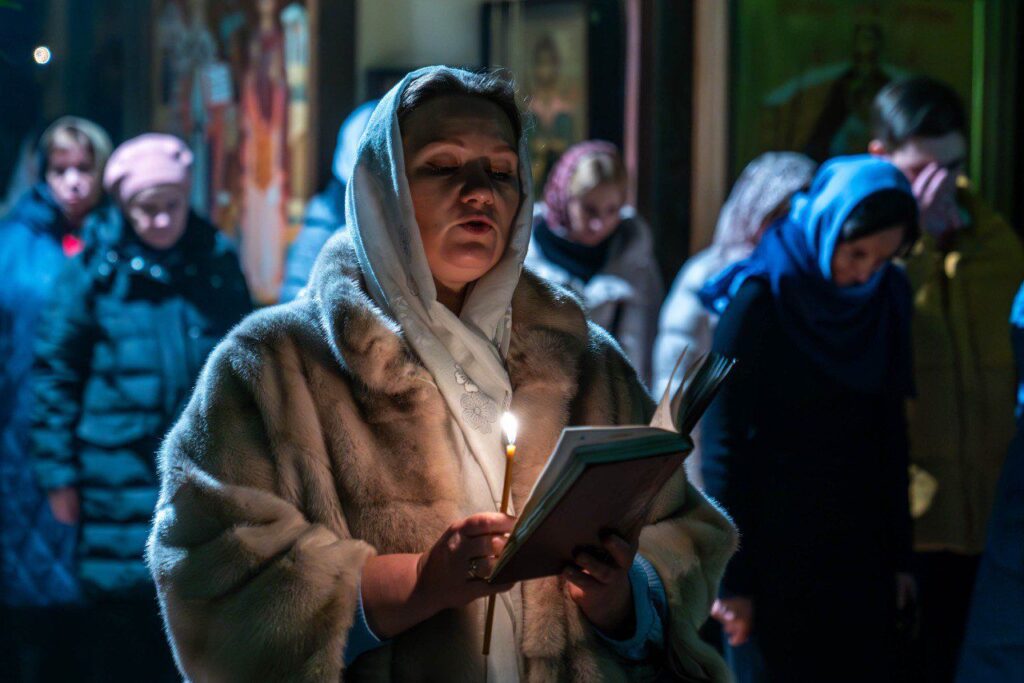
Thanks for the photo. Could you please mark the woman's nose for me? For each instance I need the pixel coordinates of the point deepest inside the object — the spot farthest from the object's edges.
(477, 187)
(73, 179)
(865, 272)
(162, 220)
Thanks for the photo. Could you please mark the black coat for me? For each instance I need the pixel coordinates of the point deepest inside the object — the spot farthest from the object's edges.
(815, 477)
(116, 356)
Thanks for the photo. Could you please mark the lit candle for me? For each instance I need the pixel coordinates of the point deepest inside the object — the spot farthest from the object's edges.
(509, 425)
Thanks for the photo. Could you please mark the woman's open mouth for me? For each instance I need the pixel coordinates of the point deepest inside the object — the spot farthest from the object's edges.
(476, 227)
(477, 224)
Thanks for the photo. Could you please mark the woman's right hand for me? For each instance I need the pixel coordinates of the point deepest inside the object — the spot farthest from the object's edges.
(64, 504)
(400, 591)
(736, 615)
(453, 573)
(935, 191)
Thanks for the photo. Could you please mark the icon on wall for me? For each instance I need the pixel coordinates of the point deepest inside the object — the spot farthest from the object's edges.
(798, 87)
(544, 47)
(232, 79)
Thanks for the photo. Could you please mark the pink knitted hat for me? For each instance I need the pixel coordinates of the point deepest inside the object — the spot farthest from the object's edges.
(147, 161)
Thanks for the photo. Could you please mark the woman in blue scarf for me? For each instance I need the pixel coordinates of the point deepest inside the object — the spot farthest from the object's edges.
(806, 446)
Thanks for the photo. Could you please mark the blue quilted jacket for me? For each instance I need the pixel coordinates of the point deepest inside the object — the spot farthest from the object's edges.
(116, 357)
(36, 551)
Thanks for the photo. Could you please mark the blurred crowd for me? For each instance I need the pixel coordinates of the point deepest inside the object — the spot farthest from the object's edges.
(867, 447)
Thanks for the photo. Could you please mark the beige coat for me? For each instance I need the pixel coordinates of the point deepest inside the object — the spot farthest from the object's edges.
(315, 439)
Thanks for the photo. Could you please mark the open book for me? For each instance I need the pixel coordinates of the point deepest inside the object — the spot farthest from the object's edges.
(601, 479)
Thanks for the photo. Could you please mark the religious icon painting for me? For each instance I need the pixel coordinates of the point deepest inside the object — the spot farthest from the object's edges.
(798, 87)
(545, 46)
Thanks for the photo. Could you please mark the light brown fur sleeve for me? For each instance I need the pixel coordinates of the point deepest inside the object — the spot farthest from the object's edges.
(250, 588)
(688, 544)
(689, 547)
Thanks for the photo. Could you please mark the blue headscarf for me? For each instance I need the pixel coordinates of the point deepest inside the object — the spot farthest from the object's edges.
(1017, 338)
(860, 335)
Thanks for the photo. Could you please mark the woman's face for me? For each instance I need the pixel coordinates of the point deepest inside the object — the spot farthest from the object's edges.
(71, 176)
(463, 172)
(854, 262)
(594, 216)
(159, 215)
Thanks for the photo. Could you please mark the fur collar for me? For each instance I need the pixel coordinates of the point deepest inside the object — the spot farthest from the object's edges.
(546, 319)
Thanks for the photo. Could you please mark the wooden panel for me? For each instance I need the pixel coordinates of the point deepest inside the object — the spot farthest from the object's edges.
(658, 129)
(710, 118)
(333, 25)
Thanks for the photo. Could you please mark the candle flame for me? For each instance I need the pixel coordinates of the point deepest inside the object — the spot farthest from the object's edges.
(510, 425)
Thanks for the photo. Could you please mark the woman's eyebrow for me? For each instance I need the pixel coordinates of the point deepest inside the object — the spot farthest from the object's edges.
(502, 148)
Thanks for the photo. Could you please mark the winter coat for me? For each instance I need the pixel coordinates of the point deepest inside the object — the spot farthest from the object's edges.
(962, 418)
(624, 297)
(325, 215)
(325, 212)
(115, 360)
(814, 473)
(316, 439)
(685, 323)
(36, 551)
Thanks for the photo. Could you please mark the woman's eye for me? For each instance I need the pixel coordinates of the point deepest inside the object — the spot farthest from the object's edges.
(441, 169)
(501, 175)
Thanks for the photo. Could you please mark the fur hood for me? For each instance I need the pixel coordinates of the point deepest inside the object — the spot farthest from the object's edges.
(315, 438)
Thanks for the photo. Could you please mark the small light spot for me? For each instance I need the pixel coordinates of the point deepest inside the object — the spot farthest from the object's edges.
(42, 55)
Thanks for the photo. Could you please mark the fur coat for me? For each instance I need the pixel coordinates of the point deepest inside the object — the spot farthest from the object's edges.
(316, 439)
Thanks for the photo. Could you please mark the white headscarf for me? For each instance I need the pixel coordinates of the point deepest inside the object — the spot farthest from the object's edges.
(465, 353)
(766, 182)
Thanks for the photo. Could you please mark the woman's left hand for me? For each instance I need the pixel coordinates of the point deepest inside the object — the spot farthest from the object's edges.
(602, 588)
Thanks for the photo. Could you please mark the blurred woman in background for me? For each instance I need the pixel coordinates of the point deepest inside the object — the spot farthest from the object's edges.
(131, 323)
(325, 212)
(587, 238)
(37, 237)
(806, 445)
(760, 197)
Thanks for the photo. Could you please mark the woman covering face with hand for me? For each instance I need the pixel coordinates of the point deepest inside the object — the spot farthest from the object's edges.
(330, 496)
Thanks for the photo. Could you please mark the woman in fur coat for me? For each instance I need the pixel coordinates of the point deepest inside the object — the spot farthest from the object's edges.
(329, 496)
